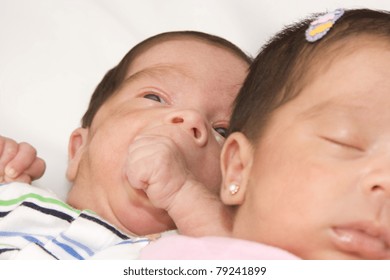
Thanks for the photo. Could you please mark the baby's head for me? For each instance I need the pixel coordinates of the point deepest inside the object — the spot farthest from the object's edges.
(308, 160)
(179, 85)
(115, 77)
(289, 62)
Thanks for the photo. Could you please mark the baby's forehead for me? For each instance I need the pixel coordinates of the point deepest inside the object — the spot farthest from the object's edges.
(169, 76)
(158, 71)
(171, 50)
(328, 54)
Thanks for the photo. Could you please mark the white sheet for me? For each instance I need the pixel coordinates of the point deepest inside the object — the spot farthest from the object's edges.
(54, 52)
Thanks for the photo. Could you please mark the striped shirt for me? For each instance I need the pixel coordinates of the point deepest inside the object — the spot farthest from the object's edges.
(34, 224)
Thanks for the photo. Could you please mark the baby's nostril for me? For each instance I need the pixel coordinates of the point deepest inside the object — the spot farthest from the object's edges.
(197, 133)
(177, 120)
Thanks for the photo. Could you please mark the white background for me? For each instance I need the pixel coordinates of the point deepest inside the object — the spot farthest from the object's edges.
(54, 52)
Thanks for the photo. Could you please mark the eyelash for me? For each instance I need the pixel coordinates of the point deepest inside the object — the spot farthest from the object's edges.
(155, 97)
(223, 134)
(343, 144)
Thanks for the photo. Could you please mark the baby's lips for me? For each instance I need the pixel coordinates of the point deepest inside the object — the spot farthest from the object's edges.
(364, 239)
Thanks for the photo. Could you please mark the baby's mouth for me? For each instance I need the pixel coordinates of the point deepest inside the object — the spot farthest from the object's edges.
(363, 240)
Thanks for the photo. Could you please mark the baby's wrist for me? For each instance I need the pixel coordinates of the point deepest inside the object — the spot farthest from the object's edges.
(183, 197)
(197, 211)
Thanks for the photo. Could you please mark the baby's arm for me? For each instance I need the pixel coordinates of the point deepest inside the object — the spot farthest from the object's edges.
(156, 165)
(19, 162)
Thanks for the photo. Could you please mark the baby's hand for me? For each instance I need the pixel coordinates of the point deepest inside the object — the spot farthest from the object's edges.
(156, 165)
(19, 162)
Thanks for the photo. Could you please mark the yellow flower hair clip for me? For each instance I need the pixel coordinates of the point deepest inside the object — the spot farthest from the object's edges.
(320, 26)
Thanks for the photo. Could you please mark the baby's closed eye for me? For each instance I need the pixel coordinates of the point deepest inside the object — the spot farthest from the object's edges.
(340, 148)
(343, 143)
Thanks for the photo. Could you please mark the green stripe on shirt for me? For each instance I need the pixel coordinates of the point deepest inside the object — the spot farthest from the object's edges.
(49, 200)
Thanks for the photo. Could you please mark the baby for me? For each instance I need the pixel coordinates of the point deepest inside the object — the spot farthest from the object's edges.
(306, 167)
(168, 99)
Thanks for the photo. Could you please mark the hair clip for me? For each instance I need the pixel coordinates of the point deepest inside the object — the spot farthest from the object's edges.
(321, 25)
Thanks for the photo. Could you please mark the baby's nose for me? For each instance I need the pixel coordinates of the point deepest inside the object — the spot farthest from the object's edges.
(192, 122)
(377, 179)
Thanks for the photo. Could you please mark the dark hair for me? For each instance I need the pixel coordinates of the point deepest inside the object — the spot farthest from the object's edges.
(114, 77)
(283, 66)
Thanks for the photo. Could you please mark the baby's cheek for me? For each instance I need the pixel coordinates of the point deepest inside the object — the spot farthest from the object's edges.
(215, 177)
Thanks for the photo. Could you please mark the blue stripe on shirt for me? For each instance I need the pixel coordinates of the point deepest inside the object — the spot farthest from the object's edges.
(31, 238)
(78, 244)
(68, 249)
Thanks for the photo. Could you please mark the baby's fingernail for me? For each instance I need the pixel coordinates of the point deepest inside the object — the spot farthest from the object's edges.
(10, 172)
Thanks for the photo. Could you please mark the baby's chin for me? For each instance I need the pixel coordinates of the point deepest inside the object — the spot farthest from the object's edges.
(148, 220)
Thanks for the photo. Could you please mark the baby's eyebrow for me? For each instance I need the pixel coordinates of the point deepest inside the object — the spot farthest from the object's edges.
(331, 106)
(159, 71)
(316, 110)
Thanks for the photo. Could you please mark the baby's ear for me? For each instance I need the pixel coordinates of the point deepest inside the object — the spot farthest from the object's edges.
(236, 163)
(77, 142)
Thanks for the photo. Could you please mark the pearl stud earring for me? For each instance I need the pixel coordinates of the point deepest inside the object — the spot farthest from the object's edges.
(233, 188)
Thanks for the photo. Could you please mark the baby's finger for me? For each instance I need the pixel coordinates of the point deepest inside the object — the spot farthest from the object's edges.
(24, 158)
(36, 169)
(138, 170)
(8, 151)
(145, 141)
(24, 178)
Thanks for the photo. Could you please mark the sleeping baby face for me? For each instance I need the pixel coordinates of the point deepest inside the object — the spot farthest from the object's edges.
(319, 184)
(179, 89)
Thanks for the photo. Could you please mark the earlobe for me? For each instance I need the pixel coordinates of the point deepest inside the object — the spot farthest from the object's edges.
(236, 163)
(77, 142)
